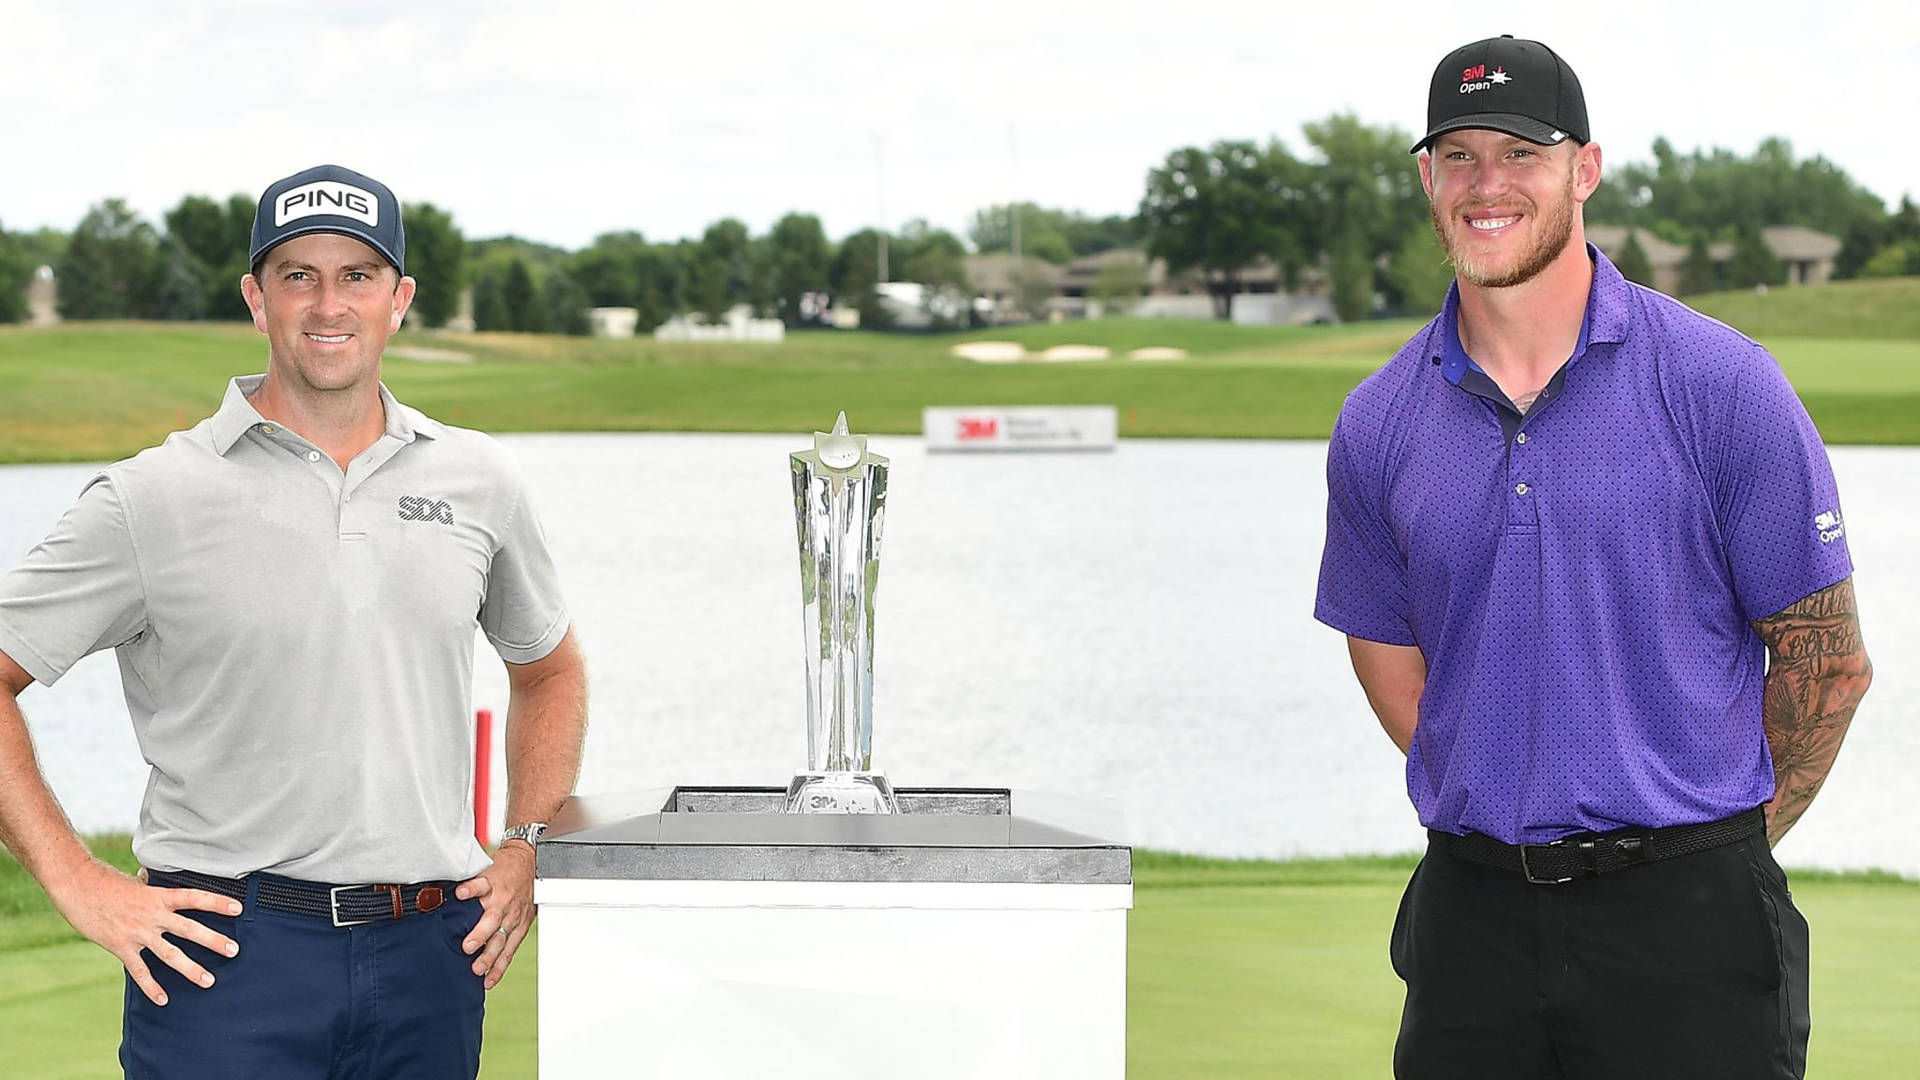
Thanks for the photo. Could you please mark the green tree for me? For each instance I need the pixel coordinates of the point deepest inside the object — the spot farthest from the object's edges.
(1894, 260)
(1051, 247)
(1058, 236)
(1091, 235)
(1721, 191)
(609, 268)
(662, 276)
(1032, 287)
(1420, 271)
(1633, 263)
(566, 304)
(1865, 236)
(200, 225)
(1216, 210)
(797, 260)
(16, 273)
(1886, 247)
(1042, 231)
(1351, 274)
(1753, 263)
(852, 275)
(1698, 274)
(517, 293)
(1119, 284)
(215, 237)
(932, 257)
(43, 246)
(1366, 189)
(179, 284)
(436, 260)
(928, 255)
(489, 299)
(721, 273)
(111, 266)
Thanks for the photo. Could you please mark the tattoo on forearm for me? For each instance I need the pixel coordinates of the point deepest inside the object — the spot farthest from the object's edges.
(1817, 673)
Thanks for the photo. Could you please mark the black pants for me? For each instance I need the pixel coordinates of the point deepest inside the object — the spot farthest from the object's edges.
(1693, 967)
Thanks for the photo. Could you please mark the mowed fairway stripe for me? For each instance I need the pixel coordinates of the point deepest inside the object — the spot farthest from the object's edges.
(102, 391)
(1261, 981)
(60, 1012)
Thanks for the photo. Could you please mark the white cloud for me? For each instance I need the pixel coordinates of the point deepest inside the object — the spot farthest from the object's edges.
(563, 122)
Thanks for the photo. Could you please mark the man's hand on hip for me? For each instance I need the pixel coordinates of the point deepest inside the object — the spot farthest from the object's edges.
(124, 915)
(505, 891)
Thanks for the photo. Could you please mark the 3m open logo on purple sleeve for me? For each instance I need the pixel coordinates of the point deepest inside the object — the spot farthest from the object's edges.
(1830, 526)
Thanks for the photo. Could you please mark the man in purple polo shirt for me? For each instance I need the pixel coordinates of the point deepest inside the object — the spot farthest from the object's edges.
(1586, 547)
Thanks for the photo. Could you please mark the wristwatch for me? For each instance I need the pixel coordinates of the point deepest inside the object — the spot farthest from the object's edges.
(530, 832)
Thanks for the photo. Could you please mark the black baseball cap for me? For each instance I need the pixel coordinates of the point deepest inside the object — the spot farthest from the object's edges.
(328, 198)
(1505, 84)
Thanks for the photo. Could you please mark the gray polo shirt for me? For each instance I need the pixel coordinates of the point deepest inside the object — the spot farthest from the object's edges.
(296, 645)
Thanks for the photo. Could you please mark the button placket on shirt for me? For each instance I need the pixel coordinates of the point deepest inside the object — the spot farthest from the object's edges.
(1523, 498)
(355, 516)
(321, 466)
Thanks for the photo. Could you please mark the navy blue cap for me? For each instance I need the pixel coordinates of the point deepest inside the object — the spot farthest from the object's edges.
(1505, 84)
(328, 198)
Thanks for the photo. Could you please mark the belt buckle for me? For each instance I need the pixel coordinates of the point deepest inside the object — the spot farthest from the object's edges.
(333, 902)
(1527, 870)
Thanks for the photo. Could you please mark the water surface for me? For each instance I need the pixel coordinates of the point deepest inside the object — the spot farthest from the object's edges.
(1133, 626)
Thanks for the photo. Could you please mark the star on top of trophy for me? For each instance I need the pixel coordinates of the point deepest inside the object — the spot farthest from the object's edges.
(839, 449)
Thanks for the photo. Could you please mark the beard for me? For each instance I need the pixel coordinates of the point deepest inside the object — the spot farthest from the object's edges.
(1553, 229)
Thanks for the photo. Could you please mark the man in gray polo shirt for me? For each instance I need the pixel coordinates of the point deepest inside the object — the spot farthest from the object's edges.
(292, 588)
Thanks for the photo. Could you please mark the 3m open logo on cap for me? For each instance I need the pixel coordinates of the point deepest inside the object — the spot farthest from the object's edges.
(1477, 78)
(326, 197)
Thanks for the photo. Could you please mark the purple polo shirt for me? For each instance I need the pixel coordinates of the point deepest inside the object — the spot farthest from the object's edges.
(1581, 581)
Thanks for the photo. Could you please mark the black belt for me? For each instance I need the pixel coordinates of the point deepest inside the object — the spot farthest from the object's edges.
(343, 905)
(1587, 854)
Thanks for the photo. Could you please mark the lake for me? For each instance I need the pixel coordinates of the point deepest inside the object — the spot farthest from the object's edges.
(1133, 625)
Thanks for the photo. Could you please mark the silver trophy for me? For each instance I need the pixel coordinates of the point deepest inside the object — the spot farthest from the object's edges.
(839, 504)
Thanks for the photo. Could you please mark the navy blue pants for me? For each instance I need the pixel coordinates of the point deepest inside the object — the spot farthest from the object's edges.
(306, 1000)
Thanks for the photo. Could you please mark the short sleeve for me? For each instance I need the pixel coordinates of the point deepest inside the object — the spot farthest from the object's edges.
(1779, 508)
(1363, 578)
(523, 615)
(77, 592)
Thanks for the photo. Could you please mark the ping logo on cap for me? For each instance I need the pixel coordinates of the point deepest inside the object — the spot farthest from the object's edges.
(326, 197)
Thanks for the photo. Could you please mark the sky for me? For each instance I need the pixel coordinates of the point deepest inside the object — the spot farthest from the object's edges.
(562, 121)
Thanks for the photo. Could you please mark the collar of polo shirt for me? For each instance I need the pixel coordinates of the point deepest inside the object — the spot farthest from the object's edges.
(1605, 320)
(237, 415)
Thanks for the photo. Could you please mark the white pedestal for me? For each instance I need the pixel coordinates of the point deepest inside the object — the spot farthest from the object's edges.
(837, 980)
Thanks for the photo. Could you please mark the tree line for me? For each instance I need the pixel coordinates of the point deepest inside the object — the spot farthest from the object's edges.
(1351, 210)
(1346, 212)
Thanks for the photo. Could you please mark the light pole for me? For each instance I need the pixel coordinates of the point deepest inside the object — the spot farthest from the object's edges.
(1013, 203)
(880, 159)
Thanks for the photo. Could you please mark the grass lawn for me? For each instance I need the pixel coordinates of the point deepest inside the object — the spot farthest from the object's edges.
(1235, 969)
(100, 391)
(1867, 308)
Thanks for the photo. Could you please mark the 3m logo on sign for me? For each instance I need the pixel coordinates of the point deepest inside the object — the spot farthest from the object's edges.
(979, 429)
(326, 197)
(415, 508)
